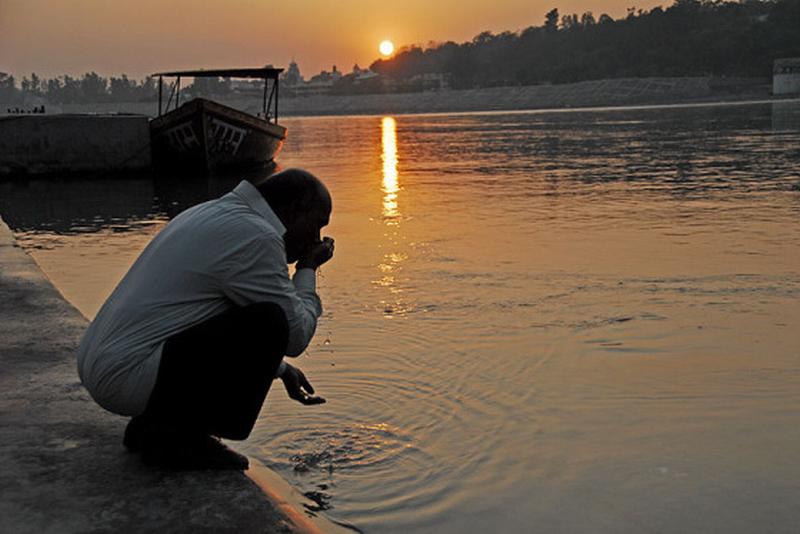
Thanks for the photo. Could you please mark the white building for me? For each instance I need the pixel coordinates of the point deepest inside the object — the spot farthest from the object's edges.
(786, 76)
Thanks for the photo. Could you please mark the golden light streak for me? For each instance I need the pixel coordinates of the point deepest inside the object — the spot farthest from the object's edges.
(391, 185)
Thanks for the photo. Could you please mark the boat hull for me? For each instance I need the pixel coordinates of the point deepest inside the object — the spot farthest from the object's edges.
(206, 135)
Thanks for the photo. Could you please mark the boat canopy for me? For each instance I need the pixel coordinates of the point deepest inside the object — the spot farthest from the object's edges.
(269, 106)
(260, 73)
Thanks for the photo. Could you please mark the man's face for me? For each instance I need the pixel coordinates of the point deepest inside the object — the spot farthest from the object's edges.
(303, 231)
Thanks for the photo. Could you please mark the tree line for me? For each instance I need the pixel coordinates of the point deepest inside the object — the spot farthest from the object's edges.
(93, 88)
(689, 38)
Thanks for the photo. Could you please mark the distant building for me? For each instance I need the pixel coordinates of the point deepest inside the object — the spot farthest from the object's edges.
(319, 84)
(362, 75)
(246, 87)
(786, 76)
(431, 81)
(328, 82)
(292, 76)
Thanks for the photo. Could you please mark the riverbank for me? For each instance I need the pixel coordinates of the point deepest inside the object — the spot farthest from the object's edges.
(594, 93)
(64, 466)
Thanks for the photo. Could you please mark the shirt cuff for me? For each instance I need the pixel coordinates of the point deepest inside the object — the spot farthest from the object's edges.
(281, 369)
(305, 279)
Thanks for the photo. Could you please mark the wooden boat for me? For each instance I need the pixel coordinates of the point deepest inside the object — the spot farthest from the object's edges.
(209, 136)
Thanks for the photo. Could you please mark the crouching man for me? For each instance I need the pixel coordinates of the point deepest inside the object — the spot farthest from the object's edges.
(190, 340)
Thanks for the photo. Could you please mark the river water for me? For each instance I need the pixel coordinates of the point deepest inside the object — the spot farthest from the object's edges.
(580, 321)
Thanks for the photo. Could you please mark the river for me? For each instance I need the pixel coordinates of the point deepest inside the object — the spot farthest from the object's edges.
(573, 321)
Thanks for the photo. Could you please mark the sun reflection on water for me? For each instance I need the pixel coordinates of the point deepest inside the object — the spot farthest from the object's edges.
(390, 187)
(390, 179)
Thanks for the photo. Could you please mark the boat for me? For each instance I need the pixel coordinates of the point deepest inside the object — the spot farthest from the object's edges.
(208, 136)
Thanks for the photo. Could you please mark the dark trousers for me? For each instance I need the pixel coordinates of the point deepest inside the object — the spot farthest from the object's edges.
(214, 377)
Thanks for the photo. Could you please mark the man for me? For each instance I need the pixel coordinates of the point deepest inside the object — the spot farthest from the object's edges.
(192, 337)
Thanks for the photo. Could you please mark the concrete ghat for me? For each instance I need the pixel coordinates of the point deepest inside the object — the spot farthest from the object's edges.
(63, 465)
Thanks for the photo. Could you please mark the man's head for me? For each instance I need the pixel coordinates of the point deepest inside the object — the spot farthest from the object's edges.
(302, 203)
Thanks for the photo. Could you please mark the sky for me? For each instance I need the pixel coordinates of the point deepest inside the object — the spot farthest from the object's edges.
(138, 37)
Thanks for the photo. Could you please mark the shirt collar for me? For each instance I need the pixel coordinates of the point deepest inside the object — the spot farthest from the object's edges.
(251, 196)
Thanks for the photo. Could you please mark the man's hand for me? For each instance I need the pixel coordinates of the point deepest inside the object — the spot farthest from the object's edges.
(317, 254)
(298, 387)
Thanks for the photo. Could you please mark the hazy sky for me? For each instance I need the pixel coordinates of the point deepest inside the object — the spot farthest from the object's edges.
(137, 37)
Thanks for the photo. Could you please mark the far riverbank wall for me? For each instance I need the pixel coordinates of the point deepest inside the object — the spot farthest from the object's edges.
(614, 92)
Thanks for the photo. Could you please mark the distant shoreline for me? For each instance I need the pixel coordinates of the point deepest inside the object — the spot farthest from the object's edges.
(588, 94)
(599, 93)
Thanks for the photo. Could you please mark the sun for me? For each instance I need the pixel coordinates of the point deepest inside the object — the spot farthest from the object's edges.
(386, 48)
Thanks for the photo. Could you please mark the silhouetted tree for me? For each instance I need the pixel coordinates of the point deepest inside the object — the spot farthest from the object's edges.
(53, 88)
(8, 89)
(147, 90)
(605, 19)
(121, 89)
(551, 21)
(93, 87)
(32, 85)
(210, 86)
(71, 92)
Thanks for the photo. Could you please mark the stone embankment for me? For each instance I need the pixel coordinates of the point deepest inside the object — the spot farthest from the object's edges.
(598, 93)
(613, 92)
(36, 144)
(63, 465)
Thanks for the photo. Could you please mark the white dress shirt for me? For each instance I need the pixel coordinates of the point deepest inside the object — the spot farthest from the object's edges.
(214, 256)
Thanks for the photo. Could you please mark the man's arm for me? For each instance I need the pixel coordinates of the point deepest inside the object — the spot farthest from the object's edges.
(258, 273)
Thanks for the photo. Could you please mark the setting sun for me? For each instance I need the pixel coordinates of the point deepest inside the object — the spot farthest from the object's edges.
(386, 48)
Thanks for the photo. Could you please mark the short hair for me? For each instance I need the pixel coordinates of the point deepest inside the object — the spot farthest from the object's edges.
(296, 188)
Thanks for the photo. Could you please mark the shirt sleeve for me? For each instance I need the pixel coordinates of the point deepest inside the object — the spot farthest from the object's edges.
(257, 272)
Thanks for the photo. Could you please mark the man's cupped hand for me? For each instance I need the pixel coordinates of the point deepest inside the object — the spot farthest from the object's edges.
(298, 387)
(317, 254)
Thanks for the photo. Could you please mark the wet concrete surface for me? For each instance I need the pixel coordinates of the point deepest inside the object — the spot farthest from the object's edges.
(64, 468)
